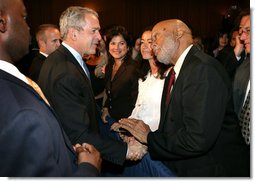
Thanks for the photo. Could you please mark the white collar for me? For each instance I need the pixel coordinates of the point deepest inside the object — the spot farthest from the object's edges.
(11, 69)
(179, 62)
(74, 53)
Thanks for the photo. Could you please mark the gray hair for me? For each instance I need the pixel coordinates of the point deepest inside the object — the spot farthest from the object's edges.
(73, 17)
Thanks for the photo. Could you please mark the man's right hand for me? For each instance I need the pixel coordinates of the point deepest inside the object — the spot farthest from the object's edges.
(88, 153)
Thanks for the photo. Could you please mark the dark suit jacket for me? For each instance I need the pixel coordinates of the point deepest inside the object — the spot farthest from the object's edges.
(199, 133)
(69, 92)
(122, 90)
(32, 142)
(228, 59)
(240, 83)
(36, 66)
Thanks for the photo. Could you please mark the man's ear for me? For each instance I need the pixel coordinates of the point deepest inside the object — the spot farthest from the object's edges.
(2, 25)
(179, 33)
(73, 33)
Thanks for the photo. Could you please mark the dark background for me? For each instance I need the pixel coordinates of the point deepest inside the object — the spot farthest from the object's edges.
(205, 17)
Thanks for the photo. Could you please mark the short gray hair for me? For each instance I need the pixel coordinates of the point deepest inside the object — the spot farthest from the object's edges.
(73, 17)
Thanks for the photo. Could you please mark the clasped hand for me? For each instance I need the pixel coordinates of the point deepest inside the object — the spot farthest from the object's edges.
(139, 130)
(88, 153)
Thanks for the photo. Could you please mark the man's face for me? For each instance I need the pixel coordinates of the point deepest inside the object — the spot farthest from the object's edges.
(244, 32)
(18, 31)
(52, 40)
(164, 45)
(88, 38)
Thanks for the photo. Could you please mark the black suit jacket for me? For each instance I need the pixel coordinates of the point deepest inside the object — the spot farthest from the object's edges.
(69, 92)
(240, 84)
(228, 59)
(32, 142)
(36, 66)
(198, 133)
(122, 90)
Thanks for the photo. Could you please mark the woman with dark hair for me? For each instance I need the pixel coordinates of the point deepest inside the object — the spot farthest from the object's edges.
(152, 76)
(151, 81)
(121, 77)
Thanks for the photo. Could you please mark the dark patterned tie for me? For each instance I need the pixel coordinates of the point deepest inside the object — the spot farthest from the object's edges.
(245, 119)
(171, 82)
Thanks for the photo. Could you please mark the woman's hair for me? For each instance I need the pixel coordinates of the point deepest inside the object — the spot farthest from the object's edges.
(115, 31)
(144, 66)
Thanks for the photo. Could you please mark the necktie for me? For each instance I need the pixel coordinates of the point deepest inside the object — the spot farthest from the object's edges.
(37, 89)
(245, 120)
(171, 82)
(86, 69)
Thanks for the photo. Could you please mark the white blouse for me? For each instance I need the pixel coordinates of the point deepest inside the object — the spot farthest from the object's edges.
(148, 103)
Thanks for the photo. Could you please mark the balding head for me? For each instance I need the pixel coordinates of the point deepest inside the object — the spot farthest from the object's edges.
(170, 39)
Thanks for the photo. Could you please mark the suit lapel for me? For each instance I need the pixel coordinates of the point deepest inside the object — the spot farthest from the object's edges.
(165, 108)
(120, 71)
(73, 60)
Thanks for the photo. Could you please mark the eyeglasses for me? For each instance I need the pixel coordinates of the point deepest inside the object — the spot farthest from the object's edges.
(246, 31)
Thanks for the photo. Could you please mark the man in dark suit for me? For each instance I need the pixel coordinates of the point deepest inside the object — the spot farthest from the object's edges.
(241, 83)
(198, 133)
(48, 40)
(65, 80)
(31, 139)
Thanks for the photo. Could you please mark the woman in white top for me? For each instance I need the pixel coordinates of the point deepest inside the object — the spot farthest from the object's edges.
(151, 82)
(147, 108)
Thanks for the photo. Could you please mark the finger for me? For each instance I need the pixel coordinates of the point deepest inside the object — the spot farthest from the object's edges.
(88, 148)
(115, 126)
(79, 150)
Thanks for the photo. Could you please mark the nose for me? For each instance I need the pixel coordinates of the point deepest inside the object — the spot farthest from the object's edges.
(153, 46)
(58, 43)
(99, 36)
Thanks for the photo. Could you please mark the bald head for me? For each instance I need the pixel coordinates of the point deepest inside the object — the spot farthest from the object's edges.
(170, 39)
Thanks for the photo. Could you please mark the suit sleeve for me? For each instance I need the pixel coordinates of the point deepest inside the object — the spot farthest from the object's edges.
(28, 149)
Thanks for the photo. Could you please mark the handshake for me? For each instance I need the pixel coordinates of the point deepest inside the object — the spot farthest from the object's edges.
(136, 137)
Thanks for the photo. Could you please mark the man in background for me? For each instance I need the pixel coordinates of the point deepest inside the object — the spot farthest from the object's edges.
(48, 40)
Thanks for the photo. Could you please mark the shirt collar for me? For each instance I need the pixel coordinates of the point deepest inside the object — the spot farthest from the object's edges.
(178, 65)
(11, 69)
(46, 55)
(73, 52)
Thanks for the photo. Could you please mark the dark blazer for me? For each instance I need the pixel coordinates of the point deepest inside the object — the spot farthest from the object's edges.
(69, 92)
(32, 142)
(240, 84)
(36, 66)
(228, 59)
(199, 133)
(122, 90)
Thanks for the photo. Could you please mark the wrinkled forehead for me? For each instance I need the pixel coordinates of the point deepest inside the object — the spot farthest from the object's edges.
(160, 29)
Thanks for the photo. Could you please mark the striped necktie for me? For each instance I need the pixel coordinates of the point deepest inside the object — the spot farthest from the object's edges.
(170, 84)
